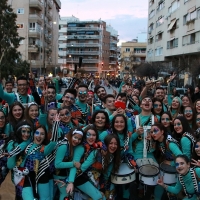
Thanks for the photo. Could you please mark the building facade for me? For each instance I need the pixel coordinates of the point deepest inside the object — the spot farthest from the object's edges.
(38, 23)
(89, 43)
(173, 29)
(132, 53)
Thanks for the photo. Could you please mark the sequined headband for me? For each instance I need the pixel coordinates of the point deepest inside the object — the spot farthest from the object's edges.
(24, 126)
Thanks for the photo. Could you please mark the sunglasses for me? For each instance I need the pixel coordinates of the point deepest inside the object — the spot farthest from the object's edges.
(165, 119)
(82, 92)
(188, 111)
(71, 98)
(178, 124)
(25, 131)
(88, 135)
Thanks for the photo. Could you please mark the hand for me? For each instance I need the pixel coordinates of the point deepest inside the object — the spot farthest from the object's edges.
(167, 162)
(172, 76)
(160, 182)
(140, 131)
(57, 118)
(70, 188)
(103, 152)
(115, 93)
(59, 181)
(149, 84)
(120, 111)
(148, 137)
(196, 163)
(77, 165)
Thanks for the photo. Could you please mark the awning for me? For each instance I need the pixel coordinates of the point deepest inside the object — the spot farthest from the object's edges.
(159, 32)
(172, 38)
(172, 24)
(192, 9)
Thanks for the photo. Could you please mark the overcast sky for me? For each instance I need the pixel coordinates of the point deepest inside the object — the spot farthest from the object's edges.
(128, 17)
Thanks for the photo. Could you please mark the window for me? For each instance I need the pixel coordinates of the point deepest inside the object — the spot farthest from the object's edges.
(127, 49)
(152, 13)
(21, 42)
(150, 53)
(173, 43)
(20, 26)
(150, 40)
(150, 28)
(174, 6)
(193, 15)
(159, 51)
(161, 5)
(186, 40)
(32, 26)
(192, 38)
(160, 21)
(198, 14)
(159, 37)
(151, 2)
(20, 11)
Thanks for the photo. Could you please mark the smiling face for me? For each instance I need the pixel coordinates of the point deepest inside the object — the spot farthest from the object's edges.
(101, 93)
(33, 111)
(90, 98)
(51, 116)
(17, 112)
(188, 113)
(185, 101)
(65, 116)
(76, 139)
(110, 104)
(197, 148)
(39, 136)
(68, 99)
(112, 146)
(91, 137)
(51, 94)
(197, 106)
(22, 87)
(82, 94)
(160, 94)
(175, 104)
(165, 120)
(181, 166)
(135, 99)
(26, 132)
(157, 134)
(119, 124)
(157, 107)
(2, 120)
(198, 120)
(178, 126)
(100, 120)
(146, 104)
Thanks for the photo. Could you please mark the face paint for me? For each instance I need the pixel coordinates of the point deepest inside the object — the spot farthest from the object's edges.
(178, 124)
(37, 133)
(67, 114)
(196, 146)
(76, 138)
(155, 131)
(155, 105)
(25, 131)
(177, 165)
(188, 111)
(165, 119)
(88, 135)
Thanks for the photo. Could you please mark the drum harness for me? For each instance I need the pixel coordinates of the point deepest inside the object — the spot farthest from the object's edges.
(194, 181)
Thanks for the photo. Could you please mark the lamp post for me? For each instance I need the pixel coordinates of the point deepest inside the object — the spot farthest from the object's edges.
(55, 68)
(41, 50)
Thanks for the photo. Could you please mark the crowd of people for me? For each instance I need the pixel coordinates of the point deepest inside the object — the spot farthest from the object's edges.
(141, 142)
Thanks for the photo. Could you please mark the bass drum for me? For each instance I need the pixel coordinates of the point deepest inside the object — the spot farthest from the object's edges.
(124, 175)
(148, 174)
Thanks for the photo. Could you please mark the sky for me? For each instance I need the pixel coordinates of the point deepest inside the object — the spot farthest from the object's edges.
(128, 17)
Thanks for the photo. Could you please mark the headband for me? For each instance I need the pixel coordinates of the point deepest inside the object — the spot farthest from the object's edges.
(32, 103)
(24, 126)
(78, 132)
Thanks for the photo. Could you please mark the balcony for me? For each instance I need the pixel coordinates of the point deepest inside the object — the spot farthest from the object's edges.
(58, 3)
(87, 28)
(83, 37)
(50, 4)
(113, 48)
(49, 16)
(49, 27)
(83, 45)
(35, 4)
(35, 18)
(33, 49)
(113, 41)
(71, 60)
(113, 55)
(35, 62)
(112, 62)
(34, 33)
(84, 52)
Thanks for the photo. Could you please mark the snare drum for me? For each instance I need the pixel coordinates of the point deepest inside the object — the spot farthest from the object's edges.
(168, 173)
(124, 175)
(148, 174)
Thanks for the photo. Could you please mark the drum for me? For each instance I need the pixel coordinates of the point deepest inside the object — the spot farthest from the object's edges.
(148, 174)
(124, 175)
(168, 173)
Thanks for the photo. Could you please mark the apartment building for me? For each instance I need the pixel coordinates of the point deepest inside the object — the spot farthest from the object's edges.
(91, 42)
(173, 29)
(38, 23)
(132, 53)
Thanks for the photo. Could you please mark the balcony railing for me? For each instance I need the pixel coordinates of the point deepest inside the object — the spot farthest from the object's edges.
(33, 49)
(112, 62)
(83, 37)
(50, 3)
(71, 60)
(83, 52)
(49, 16)
(35, 18)
(113, 48)
(35, 62)
(83, 45)
(83, 28)
(34, 33)
(35, 4)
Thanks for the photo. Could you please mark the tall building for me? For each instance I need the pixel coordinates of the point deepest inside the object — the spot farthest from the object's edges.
(91, 43)
(173, 29)
(132, 53)
(38, 23)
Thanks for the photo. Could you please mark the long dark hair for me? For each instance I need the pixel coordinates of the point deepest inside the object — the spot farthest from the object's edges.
(194, 155)
(11, 118)
(106, 116)
(117, 155)
(170, 118)
(45, 142)
(184, 157)
(90, 128)
(186, 128)
(153, 101)
(125, 128)
(194, 126)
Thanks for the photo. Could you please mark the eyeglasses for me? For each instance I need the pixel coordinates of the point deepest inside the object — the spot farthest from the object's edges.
(198, 120)
(155, 131)
(177, 164)
(156, 105)
(22, 85)
(77, 139)
(165, 119)
(88, 135)
(71, 98)
(25, 131)
(2, 118)
(82, 92)
(188, 111)
(178, 124)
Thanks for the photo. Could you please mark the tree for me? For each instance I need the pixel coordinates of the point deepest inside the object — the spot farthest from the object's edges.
(10, 57)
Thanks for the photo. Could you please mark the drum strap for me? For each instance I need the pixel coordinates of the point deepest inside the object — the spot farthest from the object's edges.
(194, 181)
(191, 138)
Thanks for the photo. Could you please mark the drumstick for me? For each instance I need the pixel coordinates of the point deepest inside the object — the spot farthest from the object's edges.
(145, 148)
(92, 106)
